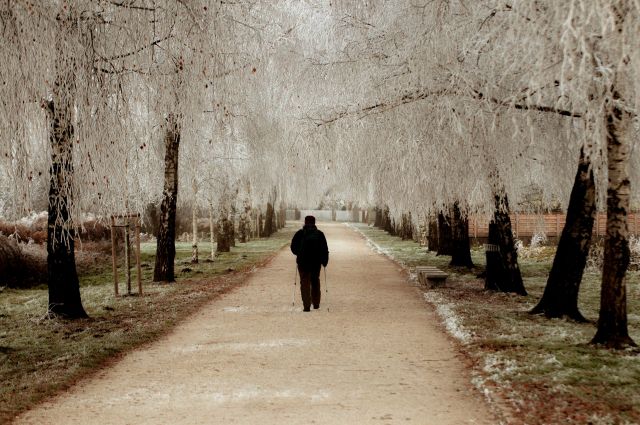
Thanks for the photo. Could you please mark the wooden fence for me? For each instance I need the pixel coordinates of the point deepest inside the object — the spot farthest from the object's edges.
(527, 225)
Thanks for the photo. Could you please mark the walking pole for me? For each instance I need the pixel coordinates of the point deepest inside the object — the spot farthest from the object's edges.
(295, 278)
(326, 288)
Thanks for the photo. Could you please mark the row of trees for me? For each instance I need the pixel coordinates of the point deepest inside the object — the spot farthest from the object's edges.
(442, 107)
(512, 93)
(130, 97)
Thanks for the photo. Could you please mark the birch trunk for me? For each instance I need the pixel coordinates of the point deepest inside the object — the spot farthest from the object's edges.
(560, 297)
(432, 235)
(444, 235)
(460, 244)
(502, 272)
(378, 218)
(63, 282)
(212, 236)
(194, 239)
(222, 239)
(612, 322)
(62, 279)
(269, 221)
(166, 244)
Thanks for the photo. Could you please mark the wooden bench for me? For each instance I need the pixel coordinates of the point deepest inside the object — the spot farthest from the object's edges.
(431, 276)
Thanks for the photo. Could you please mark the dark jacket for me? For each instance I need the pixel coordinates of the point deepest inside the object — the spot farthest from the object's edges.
(310, 247)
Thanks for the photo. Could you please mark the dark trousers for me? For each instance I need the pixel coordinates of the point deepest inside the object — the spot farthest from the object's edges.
(310, 285)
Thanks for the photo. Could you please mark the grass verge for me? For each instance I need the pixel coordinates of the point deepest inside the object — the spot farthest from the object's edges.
(536, 370)
(40, 357)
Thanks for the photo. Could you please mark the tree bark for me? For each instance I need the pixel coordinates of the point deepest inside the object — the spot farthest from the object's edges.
(283, 215)
(63, 282)
(242, 227)
(387, 222)
(231, 223)
(406, 227)
(560, 297)
(377, 222)
(223, 236)
(460, 244)
(151, 218)
(432, 235)
(166, 240)
(269, 220)
(260, 224)
(444, 235)
(212, 236)
(194, 232)
(502, 272)
(230, 232)
(612, 321)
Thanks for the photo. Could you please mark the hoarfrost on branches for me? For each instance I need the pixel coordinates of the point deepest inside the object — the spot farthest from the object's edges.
(414, 105)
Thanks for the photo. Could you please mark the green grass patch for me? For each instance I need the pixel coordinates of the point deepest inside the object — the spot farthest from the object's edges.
(39, 357)
(544, 369)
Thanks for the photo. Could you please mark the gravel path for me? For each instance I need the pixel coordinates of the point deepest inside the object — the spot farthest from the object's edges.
(372, 354)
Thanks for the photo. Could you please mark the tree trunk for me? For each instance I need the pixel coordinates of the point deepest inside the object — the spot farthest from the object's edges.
(612, 322)
(406, 227)
(460, 244)
(212, 236)
(502, 272)
(223, 236)
(231, 231)
(560, 297)
(445, 245)
(377, 222)
(151, 218)
(242, 227)
(269, 220)
(194, 239)
(387, 222)
(283, 214)
(432, 235)
(166, 241)
(64, 286)
(223, 239)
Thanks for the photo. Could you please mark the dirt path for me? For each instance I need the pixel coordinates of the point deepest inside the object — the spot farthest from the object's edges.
(376, 357)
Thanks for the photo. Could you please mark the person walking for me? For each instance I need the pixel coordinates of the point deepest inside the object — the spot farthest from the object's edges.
(309, 245)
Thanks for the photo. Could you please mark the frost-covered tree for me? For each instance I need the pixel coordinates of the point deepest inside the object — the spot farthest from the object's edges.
(98, 85)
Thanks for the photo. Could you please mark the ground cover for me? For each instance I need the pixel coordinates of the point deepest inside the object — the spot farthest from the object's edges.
(39, 357)
(540, 371)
